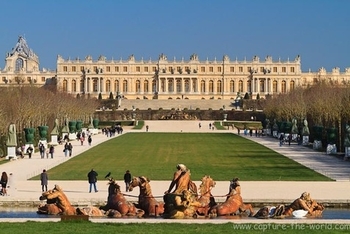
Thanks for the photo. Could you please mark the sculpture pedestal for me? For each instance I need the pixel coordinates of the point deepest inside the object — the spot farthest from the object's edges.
(94, 131)
(72, 136)
(305, 140)
(54, 140)
(317, 145)
(275, 134)
(331, 149)
(11, 153)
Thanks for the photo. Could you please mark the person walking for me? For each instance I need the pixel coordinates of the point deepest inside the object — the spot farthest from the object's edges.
(92, 176)
(30, 151)
(3, 181)
(70, 149)
(51, 150)
(89, 139)
(66, 149)
(42, 150)
(127, 180)
(44, 180)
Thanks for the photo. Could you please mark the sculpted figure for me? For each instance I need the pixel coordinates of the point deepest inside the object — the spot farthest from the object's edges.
(146, 200)
(206, 199)
(57, 203)
(182, 201)
(12, 136)
(55, 128)
(294, 126)
(305, 131)
(304, 202)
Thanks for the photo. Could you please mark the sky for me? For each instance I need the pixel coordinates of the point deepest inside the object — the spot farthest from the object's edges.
(317, 30)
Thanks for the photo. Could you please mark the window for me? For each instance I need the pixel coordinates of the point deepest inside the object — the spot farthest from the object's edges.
(19, 64)
(211, 69)
(249, 86)
(154, 86)
(108, 86)
(240, 69)
(116, 86)
(187, 86)
(125, 86)
(194, 85)
(218, 86)
(138, 86)
(81, 68)
(65, 69)
(232, 69)
(125, 69)
(145, 86)
(232, 86)
(262, 85)
(240, 86)
(145, 69)
(162, 85)
(274, 86)
(138, 69)
(211, 86)
(171, 85)
(94, 69)
(219, 69)
(64, 87)
(202, 86)
(284, 87)
(284, 69)
(74, 85)
(202, 69)
(262, 69)
(108, 69)
(292, 85)
(178, 85)
(94, 85)
(43, 79)
(74, 69)
(116, 69)
(292, 69)
(29, 78)
(274, 69)
(154, 69)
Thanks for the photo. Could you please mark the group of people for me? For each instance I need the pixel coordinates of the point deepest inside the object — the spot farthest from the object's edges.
(109, 132)
(92, 179)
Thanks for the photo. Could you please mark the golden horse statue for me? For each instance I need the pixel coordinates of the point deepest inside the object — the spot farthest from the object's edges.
(117, 205)
(146, 201)
(303, 203)
(57, 203)
(234, 203)
(206, 198)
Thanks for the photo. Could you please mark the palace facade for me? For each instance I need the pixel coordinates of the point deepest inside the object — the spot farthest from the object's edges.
(164, 78)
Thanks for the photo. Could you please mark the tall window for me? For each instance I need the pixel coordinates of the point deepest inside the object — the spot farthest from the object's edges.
(187, 86)
(202, 69)
(232, 69)
(125, 69)
(125, 86)
(284, 87)
(262, 85)
(274, 86)
(116, 69)
(240, 69)
(162, 85)
(81, 83)
(218, 86)
(211, 69)
(240, 86)
(74, 69)
(178, 85)
(94, 85)
(154, 86)
(65, 86)
(138, 69)
(138, 86)
(249, 86)
(65, 69)
(274, 69)
(211, 86)
(108, 86)
(284, 69)
(116, 86)
(145, 86)
(108, 69)
(232, 86)
(292, 69)
(202, 86)
(292, 85)
(171, 85)
(74, 85)
(194, 85)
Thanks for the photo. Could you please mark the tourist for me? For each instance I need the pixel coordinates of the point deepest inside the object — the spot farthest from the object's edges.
(70, 149)
(42, 150)
(147, 128)
(30, 151)
(92, 176)
(44, 180)
(3, 182)
(89, 139)
(51, 150)
(66, 149)
(127, 180)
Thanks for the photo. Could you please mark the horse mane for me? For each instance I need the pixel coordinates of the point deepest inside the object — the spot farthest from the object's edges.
(205, 187)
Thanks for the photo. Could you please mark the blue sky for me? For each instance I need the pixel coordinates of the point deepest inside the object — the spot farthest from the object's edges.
(317, 30)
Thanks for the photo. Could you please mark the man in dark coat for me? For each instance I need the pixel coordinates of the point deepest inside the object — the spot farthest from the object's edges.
(92, 176)
(127, 180)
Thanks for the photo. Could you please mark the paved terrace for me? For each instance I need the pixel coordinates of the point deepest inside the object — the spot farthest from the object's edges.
(27, 192)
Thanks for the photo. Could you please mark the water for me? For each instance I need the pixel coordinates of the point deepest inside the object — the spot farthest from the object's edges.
(30, 213)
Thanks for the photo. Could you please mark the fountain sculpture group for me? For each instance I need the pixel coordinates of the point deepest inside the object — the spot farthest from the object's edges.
(183, 202)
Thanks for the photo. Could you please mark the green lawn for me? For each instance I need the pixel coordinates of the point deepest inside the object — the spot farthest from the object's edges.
(155, 155)
(174, 228)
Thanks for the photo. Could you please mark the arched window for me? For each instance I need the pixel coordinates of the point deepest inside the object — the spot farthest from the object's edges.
(178, 85)
(162, 85)
(274, 86)
(171, 85)
(240, 86)
(19, 64)
(262, 85)
(218, 86)
(138, 86)
(249, 86)
(202, 86)
(232, 86)
(187, 85)
(284, 86)
(64, 87)
(194, 85)
(74, 85)
(108, 86)
(211, 86)
(94, 85)
(116, 86)
(145, 86)
(82, 85)
(154, 86)
(125, 86)
(292, 85)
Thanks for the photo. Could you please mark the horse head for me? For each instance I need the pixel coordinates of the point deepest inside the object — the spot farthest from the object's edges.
(207, 184)
(140, 181)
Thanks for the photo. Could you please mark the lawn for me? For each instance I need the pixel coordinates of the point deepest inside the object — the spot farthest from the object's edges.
(174, 228)
(155, 155)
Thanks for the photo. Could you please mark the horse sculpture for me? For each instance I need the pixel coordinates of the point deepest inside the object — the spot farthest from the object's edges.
(206, 199)
(304, 203)
(234, 203)
(117, 205)
(146, 201)
(57, 203)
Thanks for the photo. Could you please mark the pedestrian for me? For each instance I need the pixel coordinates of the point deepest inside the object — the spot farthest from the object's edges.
(42, 150)
(209, 125)
(44, 180)
(289, 138)
(89, 139)
(281, 139)
(66, 149)
(82, 140)
(92, 176)
(147, 128)
(199, 125)
(30, 151)
(3, 182)
(70, 149)
(127, 180)
(52, 150)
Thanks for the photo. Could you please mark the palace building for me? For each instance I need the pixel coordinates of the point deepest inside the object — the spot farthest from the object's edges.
(164, 78)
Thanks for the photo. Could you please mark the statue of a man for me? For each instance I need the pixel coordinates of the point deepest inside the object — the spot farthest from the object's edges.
(294, 126)
(12, 136)
(306, 131)
(55, 128)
